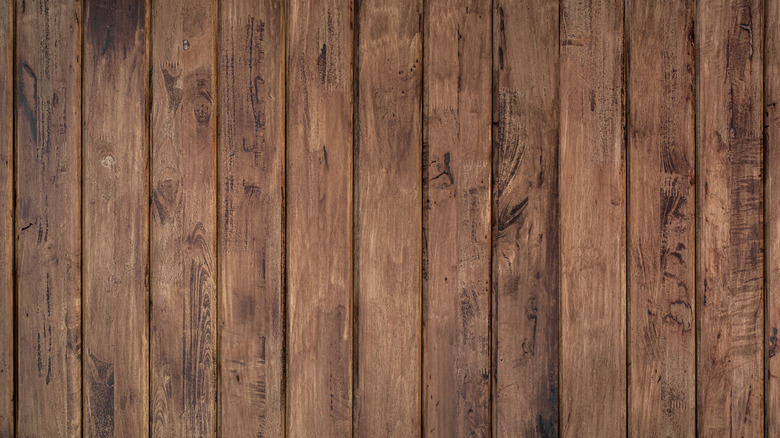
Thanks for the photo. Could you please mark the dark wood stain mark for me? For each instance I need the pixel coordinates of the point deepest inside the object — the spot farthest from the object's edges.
(113, 26)
(101, 396)
(28, 103)
(322, 63)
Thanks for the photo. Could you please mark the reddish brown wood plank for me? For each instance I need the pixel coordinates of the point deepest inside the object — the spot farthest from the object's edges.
(115, 229)
(592, 221)
(251, 97)
(730, 253)
(388, 219)
(456, 218)
(661, 219)
(525, 233)
(319, 217)
(6, 222)
(183, 284)
(48, 223)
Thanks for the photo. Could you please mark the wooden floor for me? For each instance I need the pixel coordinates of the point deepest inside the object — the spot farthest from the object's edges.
(330, 218)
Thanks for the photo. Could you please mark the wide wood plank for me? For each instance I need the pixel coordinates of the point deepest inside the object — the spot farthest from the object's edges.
(48, 216)
(115, 227)
(251, 160)
(456, 218)
(525, 212)
(319, 217)
(388, 219)
(183, 283)
(661, 219)
(592, 221)
(730, 257)
(6, 221)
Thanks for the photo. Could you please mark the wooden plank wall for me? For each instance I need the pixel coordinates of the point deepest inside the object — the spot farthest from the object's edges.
(369, 218)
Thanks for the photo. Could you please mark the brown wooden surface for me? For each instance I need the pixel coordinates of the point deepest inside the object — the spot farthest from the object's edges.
(251, 114)
(525, 218)
(456, 219)
(388, 218)
(183, 234)
(730, 237)
(115, 219)
(772, 212)
(6, 221)
(661, 219)
(319, 217)
(592, 220)
(48, 207)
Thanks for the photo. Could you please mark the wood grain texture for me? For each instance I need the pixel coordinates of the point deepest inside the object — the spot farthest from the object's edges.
(661, 219)
(388, 219)
(525, 212)
(6, 221)
(250, 218)
(115, 219)
(592, 221)
(319, 217)
(456, 218)
(730, 252)
(183, 283)
(48, 206)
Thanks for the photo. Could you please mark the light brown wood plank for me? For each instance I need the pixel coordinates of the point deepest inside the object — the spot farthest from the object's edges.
(388, 219)
(661, 219)
(6, 221)
(525, 233)
(319, 217)
(592, 221)
(730, 253)
(456, 218)
(183, 283)
(251, 160)
(115, 227)
(48, 221)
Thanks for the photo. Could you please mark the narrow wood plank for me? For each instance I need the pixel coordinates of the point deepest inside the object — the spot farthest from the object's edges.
(115, 222)
(772, 211)
(183, 284)
(319, 217)
(6, 222)
(48, 221)
(525, 233)
(388, 219)
(251, 160)
(661, 219)
(730, 255)
(456, 218)
(592, 222)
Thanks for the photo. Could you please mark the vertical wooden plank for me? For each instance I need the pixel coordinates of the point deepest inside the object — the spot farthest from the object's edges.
(456, 218)
(772, 211)
(388, 218)
(319, 217)
(593, 222)
(48, 222)
(251, 160)
(115, 230)
(661, 218)
(730, 252)
(525, 203)
(6, 222)
(183, 285)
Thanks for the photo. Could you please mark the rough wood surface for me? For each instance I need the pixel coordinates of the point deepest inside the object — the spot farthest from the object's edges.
(456, 224)
(6, 221)
(525, 212)
(115, 219)
(48, 219)
(730, 252)
(388, 219)
(251, 97)
(661, 219)
(183, 204)
(592, 221)
(319, 217)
